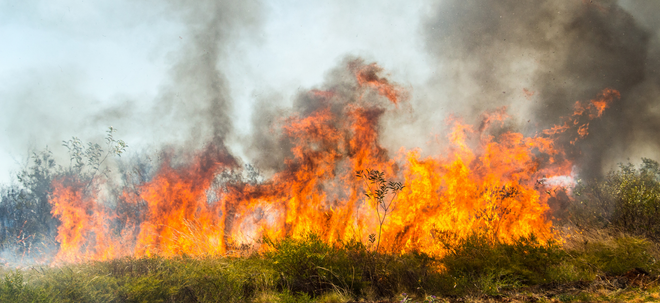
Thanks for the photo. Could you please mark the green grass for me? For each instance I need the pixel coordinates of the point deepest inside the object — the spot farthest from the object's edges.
(142, 280)
(308, 270)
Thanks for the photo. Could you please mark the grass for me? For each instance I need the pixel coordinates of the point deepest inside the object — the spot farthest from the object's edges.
(142, 280)
(592, 266)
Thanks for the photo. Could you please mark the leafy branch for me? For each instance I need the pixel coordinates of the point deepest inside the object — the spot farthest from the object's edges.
(377, 189)
(93, 153)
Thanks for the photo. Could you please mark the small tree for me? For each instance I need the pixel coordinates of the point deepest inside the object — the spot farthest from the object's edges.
(377, 189)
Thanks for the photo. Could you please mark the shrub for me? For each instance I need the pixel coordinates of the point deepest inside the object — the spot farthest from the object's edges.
(313, 267)
(26, 223)
(492, 266)
(13, 288)
(143, 280)
(614, 253)
(628, 198)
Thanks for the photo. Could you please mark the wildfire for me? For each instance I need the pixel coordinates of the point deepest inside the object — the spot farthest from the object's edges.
(488, 180)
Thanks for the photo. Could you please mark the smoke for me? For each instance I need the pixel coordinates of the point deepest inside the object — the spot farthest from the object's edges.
(188, 106)
(267, 148)
(539, 57)
(194, 106)
(269, 145)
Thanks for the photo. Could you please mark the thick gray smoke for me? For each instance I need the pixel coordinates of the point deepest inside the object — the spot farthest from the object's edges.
(269, 146)
(540, 57)
(194, 106)
(191, 107)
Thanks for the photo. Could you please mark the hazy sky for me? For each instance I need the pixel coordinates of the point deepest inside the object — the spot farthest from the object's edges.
(64, 62)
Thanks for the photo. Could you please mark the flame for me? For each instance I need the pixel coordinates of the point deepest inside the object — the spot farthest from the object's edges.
(367, 75)
(583, 112)
(83, 232)
(488, 179)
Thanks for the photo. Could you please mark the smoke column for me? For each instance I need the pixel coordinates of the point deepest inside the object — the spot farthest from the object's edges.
(540, 57)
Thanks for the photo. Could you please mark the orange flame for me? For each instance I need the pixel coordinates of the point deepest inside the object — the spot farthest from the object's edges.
(368, 75)
(487, 180)
(592, 109)
(83, 231)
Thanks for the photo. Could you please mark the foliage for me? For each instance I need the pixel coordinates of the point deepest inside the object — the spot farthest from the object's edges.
(492, 266)
(311, 266)
(86, 162)
(377, 190)
(142, 280)
(27, 225)
(308, 270)
(602, 252)
(14, 288)
(628, 198)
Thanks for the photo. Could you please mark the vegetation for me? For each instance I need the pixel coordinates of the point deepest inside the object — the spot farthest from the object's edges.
(627, 199)
(609, 252)
(308, 270)
(377, 190)
(27, 225)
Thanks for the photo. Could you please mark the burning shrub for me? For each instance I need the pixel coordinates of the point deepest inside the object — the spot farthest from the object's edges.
(38, 211)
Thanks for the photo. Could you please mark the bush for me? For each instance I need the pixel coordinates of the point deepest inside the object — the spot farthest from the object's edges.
(26, 222)
(143, 280)
(14, 288)
(28, 226)
(611, 253)
(313, 267)
(628, 199)
(307, 269)
(491, 266)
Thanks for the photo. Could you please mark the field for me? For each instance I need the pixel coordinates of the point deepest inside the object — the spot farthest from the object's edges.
(599, 266)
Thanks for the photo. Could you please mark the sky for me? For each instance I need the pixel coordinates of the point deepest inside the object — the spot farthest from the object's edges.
(75, 67)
